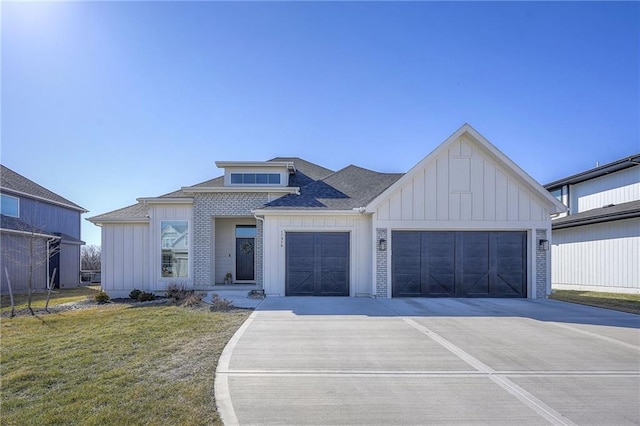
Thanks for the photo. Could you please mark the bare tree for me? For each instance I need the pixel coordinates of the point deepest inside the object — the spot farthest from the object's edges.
(28, 248)
(90, 258)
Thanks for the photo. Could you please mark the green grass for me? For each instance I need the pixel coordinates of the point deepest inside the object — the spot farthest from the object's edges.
(113, 364)
(57, 297)
(616, 301)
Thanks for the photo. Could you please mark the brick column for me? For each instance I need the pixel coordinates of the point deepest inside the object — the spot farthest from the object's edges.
(381, 264)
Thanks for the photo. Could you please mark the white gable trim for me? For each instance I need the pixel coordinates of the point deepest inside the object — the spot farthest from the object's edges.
(555, 205)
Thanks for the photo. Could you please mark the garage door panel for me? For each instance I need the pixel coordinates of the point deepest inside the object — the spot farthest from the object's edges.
(408, 285)
(317, 264)
(509, 284)
(476, 284)
(440, 284)
(459, 263)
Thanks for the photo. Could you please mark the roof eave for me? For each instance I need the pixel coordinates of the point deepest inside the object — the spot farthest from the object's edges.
(603, 170)
(595, 219)
(227, 189)
(46, 200)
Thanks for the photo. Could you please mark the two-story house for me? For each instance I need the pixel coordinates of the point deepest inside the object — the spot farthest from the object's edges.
(465, 221)
(39, 233)
(596, 244)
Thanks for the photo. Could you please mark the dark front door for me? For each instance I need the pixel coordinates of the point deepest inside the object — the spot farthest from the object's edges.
(245, 259)
(459, 264)
(317, 264)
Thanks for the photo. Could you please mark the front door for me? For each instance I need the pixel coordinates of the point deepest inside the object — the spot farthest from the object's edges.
(245, 252)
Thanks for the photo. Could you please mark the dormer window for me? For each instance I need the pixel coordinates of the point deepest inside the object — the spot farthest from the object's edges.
(255, 178)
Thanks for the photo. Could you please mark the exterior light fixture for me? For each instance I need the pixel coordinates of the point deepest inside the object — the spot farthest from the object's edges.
(382, 244)
(543, 245)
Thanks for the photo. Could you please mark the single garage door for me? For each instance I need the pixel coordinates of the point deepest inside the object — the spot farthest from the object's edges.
(317, 264)
(459, 264)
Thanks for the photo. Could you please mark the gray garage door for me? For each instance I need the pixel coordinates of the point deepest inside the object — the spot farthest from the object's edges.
(317, 264)
(459, 264)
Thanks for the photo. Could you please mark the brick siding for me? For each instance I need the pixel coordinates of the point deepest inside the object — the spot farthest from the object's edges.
(381, 264)
(206, 206)
(541, 266)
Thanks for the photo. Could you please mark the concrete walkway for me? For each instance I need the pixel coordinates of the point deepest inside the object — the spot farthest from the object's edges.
(338, 361)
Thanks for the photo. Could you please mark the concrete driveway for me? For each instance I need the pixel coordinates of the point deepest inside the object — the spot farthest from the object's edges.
(339, 361)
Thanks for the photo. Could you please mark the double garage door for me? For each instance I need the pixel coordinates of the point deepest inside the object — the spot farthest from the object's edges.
(459, 264)
(423, 264)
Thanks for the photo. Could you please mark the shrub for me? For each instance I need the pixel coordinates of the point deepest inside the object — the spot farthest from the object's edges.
(102, 297)
(193, 299)
(218, 304)
(135, 294)
(146, 296)
(176, 292)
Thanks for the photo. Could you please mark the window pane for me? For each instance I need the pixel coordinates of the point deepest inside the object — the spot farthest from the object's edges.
(262, 178)
(236, 178)
(174, 239)
(246, 231)
(249, 178)
(9, 205)
(274, 178)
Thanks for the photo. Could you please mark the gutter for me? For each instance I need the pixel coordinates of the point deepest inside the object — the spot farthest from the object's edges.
(611, 217)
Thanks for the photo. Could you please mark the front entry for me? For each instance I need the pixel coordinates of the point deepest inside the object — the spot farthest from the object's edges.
(245, 252)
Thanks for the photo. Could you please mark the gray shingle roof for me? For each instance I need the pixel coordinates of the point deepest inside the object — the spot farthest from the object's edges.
(346, 189)
(134, 211)
(320, 188)
(12, 181)
(8, 222)
(602, 214)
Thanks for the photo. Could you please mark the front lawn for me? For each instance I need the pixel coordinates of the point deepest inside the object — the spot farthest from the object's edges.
(39, 298)
(113, 364)
(617, 301)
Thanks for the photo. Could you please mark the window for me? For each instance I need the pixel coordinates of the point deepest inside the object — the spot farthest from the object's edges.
(246, 231)
(174, 240)
(10, 205)
(255, 178)
(557, 193)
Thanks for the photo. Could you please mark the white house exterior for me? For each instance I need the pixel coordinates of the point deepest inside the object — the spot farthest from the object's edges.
(596, 246)
(464, 222)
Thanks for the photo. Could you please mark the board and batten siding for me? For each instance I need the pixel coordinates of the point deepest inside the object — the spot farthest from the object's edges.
(15, 257)
(69, 265)
(360, 246)
(125, 258)
(49, 217)
(616, 188)
(599, 257)
(464, 185)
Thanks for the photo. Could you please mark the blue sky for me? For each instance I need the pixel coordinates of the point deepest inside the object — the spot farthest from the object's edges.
(104, 102)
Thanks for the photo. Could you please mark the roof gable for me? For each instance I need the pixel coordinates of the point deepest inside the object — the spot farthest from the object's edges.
(465, 178)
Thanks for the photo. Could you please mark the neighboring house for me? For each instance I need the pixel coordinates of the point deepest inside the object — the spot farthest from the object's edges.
(596, 246)
(464, 222)
(39, 232)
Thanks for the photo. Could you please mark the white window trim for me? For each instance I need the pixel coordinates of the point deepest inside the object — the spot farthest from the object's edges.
(189, 250)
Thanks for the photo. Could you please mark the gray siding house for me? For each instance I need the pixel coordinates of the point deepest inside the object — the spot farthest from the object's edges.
(596, 244)
(39, 231)
(465, 221)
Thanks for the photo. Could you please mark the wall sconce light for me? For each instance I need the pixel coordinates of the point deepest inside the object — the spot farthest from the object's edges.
(382, 244)
(543, 245)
